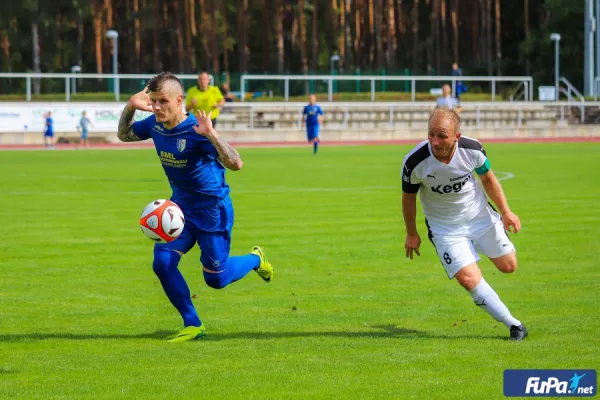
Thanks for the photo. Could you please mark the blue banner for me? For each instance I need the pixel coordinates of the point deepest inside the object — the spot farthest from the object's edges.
(550, 382)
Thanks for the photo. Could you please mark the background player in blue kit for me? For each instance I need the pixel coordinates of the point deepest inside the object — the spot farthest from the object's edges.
(84, 124)
(194, 158)
(313, 117)
(49, 130)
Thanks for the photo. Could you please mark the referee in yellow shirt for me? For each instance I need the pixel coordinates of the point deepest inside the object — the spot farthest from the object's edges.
(205, 98)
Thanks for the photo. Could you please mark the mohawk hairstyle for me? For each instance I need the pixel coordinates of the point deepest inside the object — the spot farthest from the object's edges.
(157, 82)
(447, 113)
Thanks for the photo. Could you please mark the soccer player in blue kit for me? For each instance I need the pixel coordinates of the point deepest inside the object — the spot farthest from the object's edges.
(313, 116)
(194, 158)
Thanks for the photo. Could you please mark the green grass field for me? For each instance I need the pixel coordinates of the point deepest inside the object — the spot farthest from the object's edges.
(82, 314)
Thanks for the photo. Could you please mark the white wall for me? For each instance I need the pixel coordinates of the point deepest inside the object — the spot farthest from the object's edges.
(29, 117)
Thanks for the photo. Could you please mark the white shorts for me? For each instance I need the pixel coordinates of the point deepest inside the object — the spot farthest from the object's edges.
(458, 246)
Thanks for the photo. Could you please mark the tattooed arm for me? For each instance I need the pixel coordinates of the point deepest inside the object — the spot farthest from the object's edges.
(125, 132)
(228, 155)
(139, 101)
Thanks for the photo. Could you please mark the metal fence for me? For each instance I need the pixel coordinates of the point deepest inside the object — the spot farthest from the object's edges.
(331, 80)
(73, 83)
(113, 85)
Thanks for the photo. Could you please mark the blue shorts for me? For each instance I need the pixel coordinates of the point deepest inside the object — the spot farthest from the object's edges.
(48, 134)
(211, 229)
(84, 134)
(312, 132)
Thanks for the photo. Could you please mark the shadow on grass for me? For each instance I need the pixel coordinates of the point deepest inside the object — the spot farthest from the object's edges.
(380, 331)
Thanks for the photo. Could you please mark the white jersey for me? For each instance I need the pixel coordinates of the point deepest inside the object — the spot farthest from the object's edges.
(450, 194)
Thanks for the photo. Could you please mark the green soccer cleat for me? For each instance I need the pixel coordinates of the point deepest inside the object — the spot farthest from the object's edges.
(188, 333)
(265, 269)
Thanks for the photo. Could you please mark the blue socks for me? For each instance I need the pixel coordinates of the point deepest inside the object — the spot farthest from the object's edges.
(237, 268)
(165, 267)
(315, 147)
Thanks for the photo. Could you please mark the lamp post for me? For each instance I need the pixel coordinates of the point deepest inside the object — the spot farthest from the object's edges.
(114, 35)
(74, 70)
(556, 38)
(332, 60)
(588, 43)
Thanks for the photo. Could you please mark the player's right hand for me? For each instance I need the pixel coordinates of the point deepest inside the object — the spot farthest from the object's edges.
(412, 245)
(140, 101)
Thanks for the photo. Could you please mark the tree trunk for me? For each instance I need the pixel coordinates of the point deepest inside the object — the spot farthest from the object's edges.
(35, 36)
(527, 34)
(156, 47)
(444, 32)
(488, 36)
(166, 28)
(302, 21)
(315, 37)
(214, 35)
(334, 20)
(392, 45)
(379, 35)
(59, 58)
(342, 29)
(454, 18)
(79, 46)
(109, 14)
(431, 42)
(358, 40)
(436, 36)
(266, 61)
(278, 20)
(348, 36)
(97, 14)
(205, 59)
(400, 18)
(145, 44)
(475, 39)
(294, 34)
(192, 16)
(5, 45)
(136, 35)
(483, 31)
(108, 24)
(224, 15)
(193, 33)
(179, 34)
(415, 31)
(187, 35)
(498, 40)
(242, 8)
(371, 27)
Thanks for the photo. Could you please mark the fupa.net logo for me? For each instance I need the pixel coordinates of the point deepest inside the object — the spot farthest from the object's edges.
(550, 382)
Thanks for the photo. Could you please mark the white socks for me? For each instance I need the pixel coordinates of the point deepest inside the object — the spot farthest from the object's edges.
(485, 297)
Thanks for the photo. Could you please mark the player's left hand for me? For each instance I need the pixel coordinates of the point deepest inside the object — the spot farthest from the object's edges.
(412, 244)
(511, 222)
(204, 125)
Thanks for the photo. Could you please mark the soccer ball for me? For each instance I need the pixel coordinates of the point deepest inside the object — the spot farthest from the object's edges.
(162, 221)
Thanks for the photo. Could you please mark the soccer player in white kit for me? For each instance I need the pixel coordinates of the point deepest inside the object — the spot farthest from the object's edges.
(459, 219)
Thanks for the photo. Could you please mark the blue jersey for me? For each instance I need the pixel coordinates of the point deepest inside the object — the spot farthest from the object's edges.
(49, 123)
(312, 113)
(84, 123)
(190, 162)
